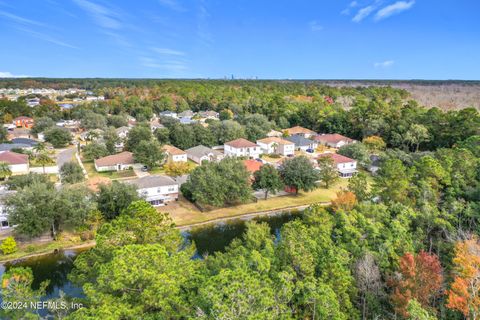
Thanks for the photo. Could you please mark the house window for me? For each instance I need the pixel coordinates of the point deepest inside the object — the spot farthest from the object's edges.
(4, 224)
(171, 189)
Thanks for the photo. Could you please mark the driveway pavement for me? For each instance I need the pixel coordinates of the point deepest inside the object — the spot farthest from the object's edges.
(65, 156)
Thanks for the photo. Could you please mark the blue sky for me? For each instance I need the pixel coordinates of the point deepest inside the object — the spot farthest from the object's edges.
(298, 39)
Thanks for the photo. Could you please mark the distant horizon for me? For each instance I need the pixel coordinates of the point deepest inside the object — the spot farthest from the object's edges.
(242, 79)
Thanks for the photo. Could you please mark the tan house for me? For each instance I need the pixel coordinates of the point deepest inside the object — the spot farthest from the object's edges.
(116, 162)
(175, 154)
(275, 145)
(300, 131)
(333, 140)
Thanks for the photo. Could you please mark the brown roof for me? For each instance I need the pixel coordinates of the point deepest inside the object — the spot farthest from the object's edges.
(13, 157)
(252, 165)
(337, 158)
(173, 150)
(332, 138)
(299, 130)
(274, 140)
(241, 143)
(23, 118)
(119, 158)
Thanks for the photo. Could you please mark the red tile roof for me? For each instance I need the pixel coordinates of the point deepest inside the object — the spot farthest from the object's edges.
(119, 158)
(252, 165)
(23, 118)
(337, 158)
(332, 138)
(241, 143)
(13, 157)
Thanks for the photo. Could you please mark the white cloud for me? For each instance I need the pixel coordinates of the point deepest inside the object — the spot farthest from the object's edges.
(168, 52)
(384, 64)
(394, 8)
(46, 37)
(172, 4)
(6, 74)
(347, 10)
(315, 26)
(173, 66)
(363, 13)
(103, 16)
(20, 20)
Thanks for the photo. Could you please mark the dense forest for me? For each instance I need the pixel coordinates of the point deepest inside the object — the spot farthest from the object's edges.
(403, 247)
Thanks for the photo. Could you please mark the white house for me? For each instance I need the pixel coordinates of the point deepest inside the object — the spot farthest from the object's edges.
(4, 224)
(122, 132)
(116, 162)
(174, 154)
(156, 189)
(242, 148)
(168, 113)
(277, 145)
(17, 162)
(201, 153)
(346, 167)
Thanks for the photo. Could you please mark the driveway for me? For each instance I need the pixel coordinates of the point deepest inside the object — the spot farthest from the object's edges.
(65, 156)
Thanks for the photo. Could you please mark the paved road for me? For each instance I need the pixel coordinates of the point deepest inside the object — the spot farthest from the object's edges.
(65, 156)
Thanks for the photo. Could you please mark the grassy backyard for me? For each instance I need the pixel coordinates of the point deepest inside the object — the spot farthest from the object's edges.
(184, 213)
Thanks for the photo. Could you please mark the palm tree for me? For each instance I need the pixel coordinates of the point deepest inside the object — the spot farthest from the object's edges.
(43, 159)
(5, 171)
(40, 147)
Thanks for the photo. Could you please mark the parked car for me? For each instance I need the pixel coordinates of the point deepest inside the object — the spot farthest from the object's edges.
(144, 169)
(310, 150)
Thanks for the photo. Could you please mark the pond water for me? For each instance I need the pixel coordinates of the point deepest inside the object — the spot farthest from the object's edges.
(208, 239)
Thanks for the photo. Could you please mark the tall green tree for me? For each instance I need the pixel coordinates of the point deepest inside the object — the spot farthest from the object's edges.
(327, 170)
(299, 173)
(114, 198)
(149, 153)
(267, 179)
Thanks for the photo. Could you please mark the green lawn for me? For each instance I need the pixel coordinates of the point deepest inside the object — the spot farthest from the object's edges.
(184, 213)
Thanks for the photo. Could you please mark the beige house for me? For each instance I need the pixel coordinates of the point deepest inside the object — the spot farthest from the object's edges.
(175, 154)
(275, 145)
(116, 162)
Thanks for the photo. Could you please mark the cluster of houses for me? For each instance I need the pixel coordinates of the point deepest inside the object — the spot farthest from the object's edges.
(188, 116)
(159, 190)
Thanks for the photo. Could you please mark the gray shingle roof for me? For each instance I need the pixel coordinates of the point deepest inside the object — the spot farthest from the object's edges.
(153, 181)
(300, 141)
(200, 151)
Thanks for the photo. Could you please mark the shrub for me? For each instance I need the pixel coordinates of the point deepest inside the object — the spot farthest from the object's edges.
(8, 246)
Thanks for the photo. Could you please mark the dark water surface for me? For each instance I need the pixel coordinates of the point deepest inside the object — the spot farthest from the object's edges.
(207, 239)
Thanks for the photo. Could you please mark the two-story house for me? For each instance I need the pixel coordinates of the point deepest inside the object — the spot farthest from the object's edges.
(346, 167)
(156, 189)
(242, 148)
(276, 145)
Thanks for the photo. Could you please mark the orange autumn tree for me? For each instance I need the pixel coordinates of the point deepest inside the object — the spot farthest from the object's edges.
(464, 292)
(345, 200)
(419, 277)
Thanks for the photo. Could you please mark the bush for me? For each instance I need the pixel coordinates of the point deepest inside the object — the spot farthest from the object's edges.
(71, 172)
(8, 246)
